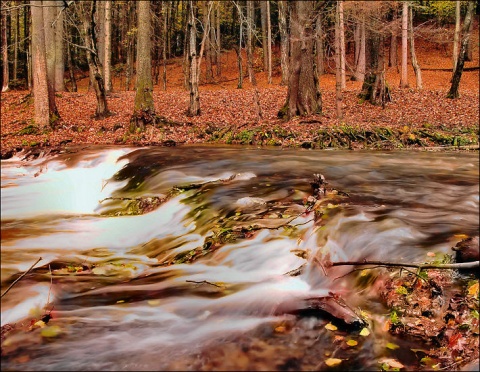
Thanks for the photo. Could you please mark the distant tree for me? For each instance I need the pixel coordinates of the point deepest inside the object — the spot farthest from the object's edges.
(59, 82)
(304, 96)
(144, 110)
(457, 75)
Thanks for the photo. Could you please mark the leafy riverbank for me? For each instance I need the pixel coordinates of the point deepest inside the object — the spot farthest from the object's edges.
(415, 119)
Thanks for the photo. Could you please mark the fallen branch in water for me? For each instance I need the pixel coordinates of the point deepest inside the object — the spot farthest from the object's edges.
(20, 277)
(462, 265)
(205, 282)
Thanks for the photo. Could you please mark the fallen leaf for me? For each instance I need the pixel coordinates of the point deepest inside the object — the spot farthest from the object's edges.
(392, 346)
(332, 362)
(52, 331)
(393, 363)
(364, 332)
(352, 343)
(473, 290)
(331, 327)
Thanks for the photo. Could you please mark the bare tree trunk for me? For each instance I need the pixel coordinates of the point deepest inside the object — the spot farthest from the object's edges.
(16, 41)
(6, 78)
(49, 11)
(404, 76)
(338, 62)
(361, 64)
(130, 45)
(320, 65)
(239, 49)
(164, 48)
(393, 58)
(100, 21)
(59, 54)
(456, 35)
(107, 66)
(284, 45)
(342, 44)
(304, 96)
(263, 20)
(269, 43)
(453, 92)
(469, 55)
(71, 68)
(207, 5)
(193, 77)
(94, 66)
(44, 117)
(251, 72)
(144, 110)
(416, 66)
(218, 42)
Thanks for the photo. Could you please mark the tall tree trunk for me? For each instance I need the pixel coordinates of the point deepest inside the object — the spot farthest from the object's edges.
(456, 35)
(393, 57)
(44, 116)
(361, 63)
(59, 54)
(193, 76)
(130, 45)
(404, 76)
(319, 52)
(206, 9)
(374, 88)
(94, 66)
(166, 11)
(144, 110)
(416, 66)
(338, 62)
(342, 45)
(239, 48)
(16, 41)
(263, 21)
(469, 55)
(107, 66)
(71, 67)
(49, 12)
(284, 44)
(6, 78)
(100, 21)
(269, 43)
(218, 41)
(457, 75)
(303, 97)
(250, 20)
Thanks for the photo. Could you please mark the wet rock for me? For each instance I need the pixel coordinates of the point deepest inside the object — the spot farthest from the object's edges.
(467, 250)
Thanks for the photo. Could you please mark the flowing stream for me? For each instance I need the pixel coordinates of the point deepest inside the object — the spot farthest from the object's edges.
(123, 299)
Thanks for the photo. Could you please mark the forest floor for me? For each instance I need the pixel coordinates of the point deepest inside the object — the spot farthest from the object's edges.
(414, 119)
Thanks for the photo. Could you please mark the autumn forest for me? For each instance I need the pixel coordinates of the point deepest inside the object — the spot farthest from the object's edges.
(316, 74)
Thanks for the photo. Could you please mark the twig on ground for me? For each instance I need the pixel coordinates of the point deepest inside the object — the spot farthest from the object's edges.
(20, 277)
(205, 282)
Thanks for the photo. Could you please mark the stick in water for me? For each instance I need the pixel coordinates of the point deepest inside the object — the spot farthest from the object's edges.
(20, 277)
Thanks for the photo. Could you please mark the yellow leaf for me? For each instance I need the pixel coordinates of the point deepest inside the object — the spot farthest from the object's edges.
(364, 332)
(392, 346)
(52, 331)
(40, 324)
(153, 302)
(352, 343)
(473, 290)
(461, 236)
(331, 327)
(332, 362)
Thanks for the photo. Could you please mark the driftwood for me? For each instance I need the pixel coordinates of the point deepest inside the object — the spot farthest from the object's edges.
(20, 277)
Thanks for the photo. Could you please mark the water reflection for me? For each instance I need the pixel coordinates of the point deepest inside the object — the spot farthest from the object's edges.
(401, 205)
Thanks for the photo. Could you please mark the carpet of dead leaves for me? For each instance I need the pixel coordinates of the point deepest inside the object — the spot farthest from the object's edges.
(414, 118)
